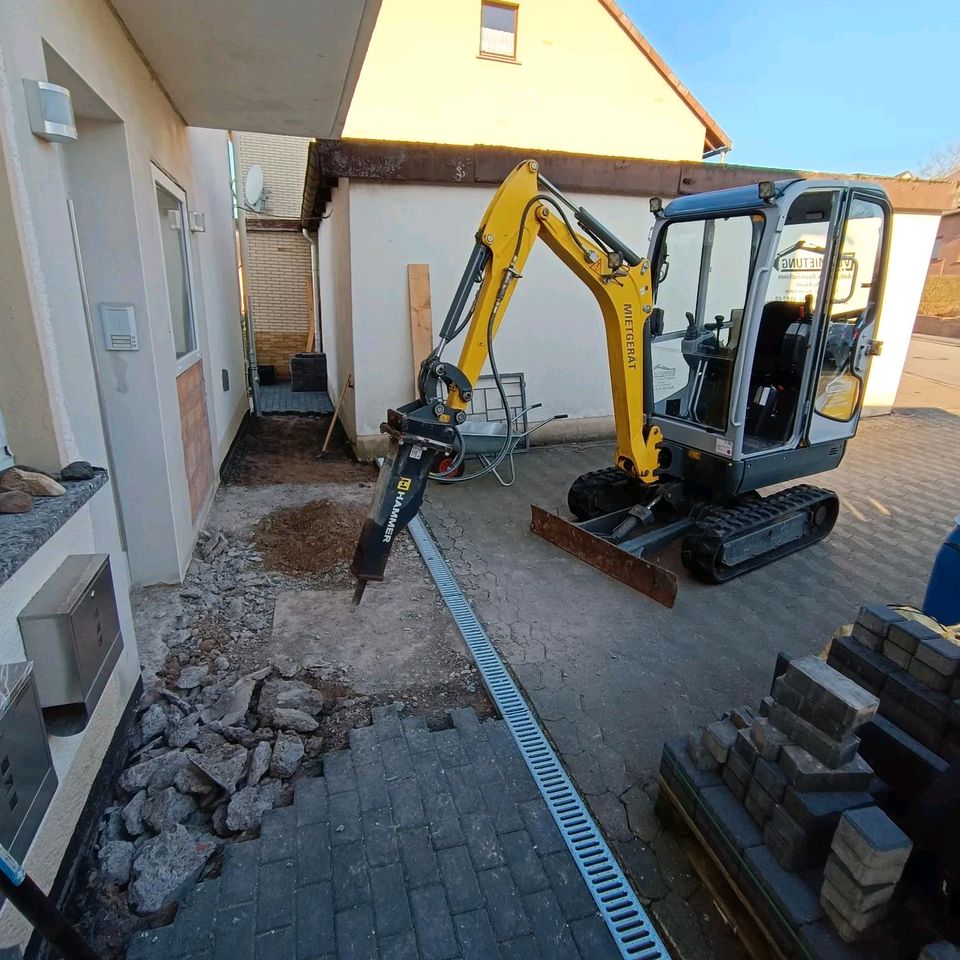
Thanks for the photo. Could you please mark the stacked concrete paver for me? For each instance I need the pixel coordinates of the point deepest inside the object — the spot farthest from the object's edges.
(867, 857)
(795, 770)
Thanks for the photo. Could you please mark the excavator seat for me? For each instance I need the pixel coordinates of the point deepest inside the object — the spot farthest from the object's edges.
(783, 339)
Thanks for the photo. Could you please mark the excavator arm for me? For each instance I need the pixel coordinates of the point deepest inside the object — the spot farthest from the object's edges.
(525, 207)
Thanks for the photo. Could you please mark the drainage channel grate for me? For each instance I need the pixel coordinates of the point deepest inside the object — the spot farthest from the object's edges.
(627, 920)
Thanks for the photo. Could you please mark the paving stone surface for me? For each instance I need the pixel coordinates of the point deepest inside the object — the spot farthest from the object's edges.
(439, 869)
(612, 675)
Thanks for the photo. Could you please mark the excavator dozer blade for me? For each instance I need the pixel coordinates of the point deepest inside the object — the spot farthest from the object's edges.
(646, 577)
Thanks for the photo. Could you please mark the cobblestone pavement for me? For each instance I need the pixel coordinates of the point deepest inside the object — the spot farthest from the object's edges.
(613, 674)
(412, 846)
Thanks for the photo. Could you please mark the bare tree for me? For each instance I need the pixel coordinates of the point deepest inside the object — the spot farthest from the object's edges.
(943, 164)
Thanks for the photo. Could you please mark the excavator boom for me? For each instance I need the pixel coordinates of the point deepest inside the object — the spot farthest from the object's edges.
(424, 432)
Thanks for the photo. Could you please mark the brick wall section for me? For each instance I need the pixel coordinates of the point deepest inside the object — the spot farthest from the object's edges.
(279, 283)
(284, 164)
(195, 434)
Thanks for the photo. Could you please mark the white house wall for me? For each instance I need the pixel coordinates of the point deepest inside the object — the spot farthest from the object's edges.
(553, 332)
(89, 40)
(76, 759)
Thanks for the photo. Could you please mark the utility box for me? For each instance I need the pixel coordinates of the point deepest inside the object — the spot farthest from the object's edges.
(71, 631)
(27, 778)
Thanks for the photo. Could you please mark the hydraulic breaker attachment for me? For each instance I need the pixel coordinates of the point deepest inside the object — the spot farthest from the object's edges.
(618, 558)
(415, 447)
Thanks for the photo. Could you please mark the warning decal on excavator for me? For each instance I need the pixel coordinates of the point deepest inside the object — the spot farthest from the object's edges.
(404, 483)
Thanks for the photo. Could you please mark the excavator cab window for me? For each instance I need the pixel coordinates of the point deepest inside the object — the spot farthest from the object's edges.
(703, 270)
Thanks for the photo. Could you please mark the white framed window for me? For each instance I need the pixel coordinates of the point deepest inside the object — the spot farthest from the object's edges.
(498, 30)
(174, 240)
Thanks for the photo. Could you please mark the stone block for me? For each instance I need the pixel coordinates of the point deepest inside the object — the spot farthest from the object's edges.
(818, 814)
(718, 738)
(702, 758)
(940, 654)
(921, 731)
(896, 654)
(785, 694)
(846, 931)
(788, 890)
(834, 695)
(870, 668)
(782, 717)
(820, 940)
(805, 772)
(901, 760)
(755, 808)
(773, 780)
(736, 786)
(928, 705)
(875, 839)
(682, 776)
(908, 635)
(739, 767)
(769, 740)
(830, 752)
(789, 856)
(742, 717)
(765, 703)
(745, 748)
(855, 922)
(867, 637)
(719, 809)
(760, 798)
(928, 676)
(878, 618)
(864, 875)
(859, 897)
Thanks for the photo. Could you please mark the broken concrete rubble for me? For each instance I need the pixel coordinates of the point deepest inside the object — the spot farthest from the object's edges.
(165, 864)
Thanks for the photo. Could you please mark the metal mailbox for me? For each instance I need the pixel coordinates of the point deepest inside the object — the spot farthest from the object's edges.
(71, 631)
(27, 778)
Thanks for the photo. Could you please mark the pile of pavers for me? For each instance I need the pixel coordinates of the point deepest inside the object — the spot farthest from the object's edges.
(795, 767)
(867, 857)
(914, 670)
(768, 793)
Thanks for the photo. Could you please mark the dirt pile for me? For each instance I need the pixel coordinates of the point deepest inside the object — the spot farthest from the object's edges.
(313, 538)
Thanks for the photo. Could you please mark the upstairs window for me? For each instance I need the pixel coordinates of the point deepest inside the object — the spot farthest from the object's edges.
(498, 30)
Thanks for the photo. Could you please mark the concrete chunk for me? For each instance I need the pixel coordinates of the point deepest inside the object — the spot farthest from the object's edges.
(768, 739)
(718, 738)
(805, 772)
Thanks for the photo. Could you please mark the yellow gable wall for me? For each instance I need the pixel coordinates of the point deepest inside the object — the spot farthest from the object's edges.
(580, 83)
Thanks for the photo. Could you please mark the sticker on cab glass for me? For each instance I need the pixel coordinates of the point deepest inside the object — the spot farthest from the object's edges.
(404, 483)
(724, 447)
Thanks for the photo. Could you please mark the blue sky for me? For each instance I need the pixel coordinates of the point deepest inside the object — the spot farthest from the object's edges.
(850, 86)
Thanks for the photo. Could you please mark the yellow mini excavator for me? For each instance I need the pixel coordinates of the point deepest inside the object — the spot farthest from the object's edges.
(738, 354)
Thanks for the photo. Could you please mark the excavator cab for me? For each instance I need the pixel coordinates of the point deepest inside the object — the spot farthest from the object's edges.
(767, 312)
(738, 356)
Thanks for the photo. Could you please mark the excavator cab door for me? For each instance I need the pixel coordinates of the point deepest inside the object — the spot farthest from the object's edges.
(848, 315)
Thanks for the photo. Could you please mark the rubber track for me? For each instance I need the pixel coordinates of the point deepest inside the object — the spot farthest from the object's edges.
(586, 490)
(703, 546)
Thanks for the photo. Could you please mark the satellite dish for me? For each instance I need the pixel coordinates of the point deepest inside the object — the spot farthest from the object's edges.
(253, 188)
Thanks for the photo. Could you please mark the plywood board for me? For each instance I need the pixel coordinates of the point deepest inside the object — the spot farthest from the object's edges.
(421, 317)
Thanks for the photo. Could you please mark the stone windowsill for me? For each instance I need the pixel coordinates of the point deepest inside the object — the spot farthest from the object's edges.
(23, 534)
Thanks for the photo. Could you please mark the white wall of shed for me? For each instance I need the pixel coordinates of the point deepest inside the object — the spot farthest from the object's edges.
(553, 333)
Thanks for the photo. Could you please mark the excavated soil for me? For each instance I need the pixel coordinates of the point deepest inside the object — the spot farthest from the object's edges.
(311, 539)
(288, 450)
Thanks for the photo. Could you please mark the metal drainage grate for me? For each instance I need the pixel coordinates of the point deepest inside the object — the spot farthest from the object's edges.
(628, 922)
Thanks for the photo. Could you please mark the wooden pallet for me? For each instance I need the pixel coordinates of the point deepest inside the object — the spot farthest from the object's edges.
(733, 904)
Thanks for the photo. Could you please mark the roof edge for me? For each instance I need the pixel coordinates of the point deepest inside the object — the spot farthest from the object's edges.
(714, 136)
(400, 162)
